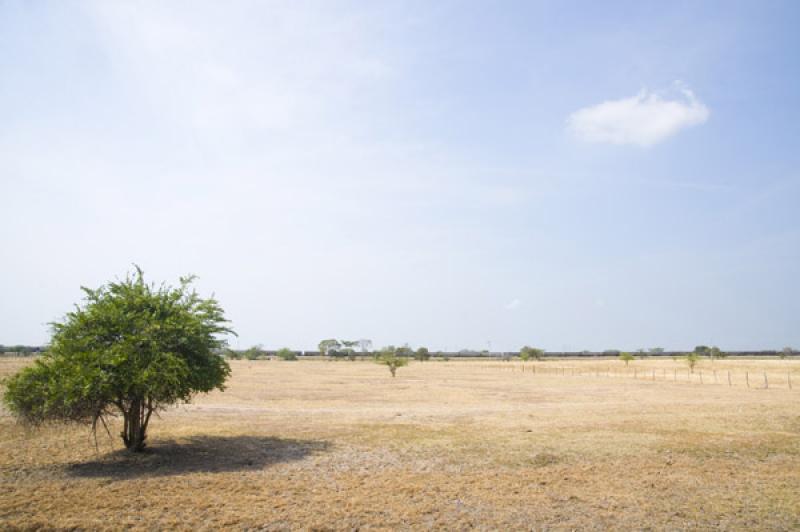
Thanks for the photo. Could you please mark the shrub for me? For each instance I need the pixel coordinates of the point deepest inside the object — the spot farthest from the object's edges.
(692, 359)
(131, 349)
(528, 352)
(389, 357)
(422, 354)
(626, 357)
(286, 354)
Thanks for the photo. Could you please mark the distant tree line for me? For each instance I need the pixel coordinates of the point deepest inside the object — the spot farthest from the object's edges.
(21, 350)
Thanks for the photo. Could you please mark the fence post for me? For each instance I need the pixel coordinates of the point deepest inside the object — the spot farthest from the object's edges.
(789, 379)
(766, 382)
(747, 378)
(675, 374)
(729, 378)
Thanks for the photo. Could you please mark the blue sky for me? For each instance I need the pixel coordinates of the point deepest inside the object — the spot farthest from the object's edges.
(571, 175)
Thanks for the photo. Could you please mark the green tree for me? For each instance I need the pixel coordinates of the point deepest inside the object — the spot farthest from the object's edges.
(404, 351)
(656, 350)
(329, 346)
(702, 350)
(254, 353)
(131, 349)
(388, 356)
(715, 352)
(692, 359)
(422, 354)
(528, 352)
(626, 357)
(286, 354)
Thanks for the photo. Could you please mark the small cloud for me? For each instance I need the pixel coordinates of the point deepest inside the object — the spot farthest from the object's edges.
(513, 305)
(642, 120)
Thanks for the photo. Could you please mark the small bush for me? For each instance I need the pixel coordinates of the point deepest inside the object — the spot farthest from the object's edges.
(626, 357)
(422, 354)
(286, 354)
(691, 360)
(388, 356)
(528, 352)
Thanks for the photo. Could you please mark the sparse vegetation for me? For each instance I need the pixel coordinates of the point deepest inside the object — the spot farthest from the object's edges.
(254, 353)
(450, 431)
(528, 352)
(422, 354)
(390, 357)
(692, 359)
(286, 354)
(626, 357)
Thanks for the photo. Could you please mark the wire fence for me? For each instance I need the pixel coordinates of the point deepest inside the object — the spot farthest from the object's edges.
(754, 379)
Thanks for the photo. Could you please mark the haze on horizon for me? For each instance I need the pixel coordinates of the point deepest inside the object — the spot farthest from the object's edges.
(568, 175)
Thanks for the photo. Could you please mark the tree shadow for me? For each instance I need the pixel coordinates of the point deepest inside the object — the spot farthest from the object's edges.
(199, 454)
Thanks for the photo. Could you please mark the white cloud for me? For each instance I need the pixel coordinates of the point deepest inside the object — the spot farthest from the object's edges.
(642, 120)
(513, 305)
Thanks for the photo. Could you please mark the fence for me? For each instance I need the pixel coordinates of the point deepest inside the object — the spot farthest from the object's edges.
(770, 379)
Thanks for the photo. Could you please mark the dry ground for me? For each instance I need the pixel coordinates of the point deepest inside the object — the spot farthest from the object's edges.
(445, 445)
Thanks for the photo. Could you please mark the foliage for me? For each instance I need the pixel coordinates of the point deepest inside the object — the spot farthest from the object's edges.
(232, 354)
(528, 352)
(716, 352)
(404, 351)
(626, 357)
(422, 354)
(286, 354)
(348, 350)
(329, 346)
(656, 350)
(390, 357)
(692, 359)
(612, 352)
(130, 349)
(254, 353)
(786, 352)
(702, 350)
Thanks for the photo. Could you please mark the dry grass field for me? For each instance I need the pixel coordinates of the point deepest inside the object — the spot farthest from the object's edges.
(446, 445)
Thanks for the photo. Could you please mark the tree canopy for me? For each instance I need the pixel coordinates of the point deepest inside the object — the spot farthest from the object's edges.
(131, 349)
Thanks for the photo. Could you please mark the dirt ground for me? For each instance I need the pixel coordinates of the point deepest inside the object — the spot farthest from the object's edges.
(445, 445)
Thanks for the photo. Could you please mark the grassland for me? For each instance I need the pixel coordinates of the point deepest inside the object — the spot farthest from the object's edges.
(445, 445)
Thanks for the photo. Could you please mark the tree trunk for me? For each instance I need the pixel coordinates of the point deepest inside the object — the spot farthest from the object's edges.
(136, 418)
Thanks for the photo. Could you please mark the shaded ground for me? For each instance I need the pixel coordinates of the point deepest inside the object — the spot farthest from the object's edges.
(453, 445)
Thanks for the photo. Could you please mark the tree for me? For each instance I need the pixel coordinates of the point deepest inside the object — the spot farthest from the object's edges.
(702, 350)
(365, 344)
(389, 357)
(348, 349)
(786, 352)
(422, 354)
(254, 353)
(404, 351)
(329, 346)
(692, 359)
(286, 354)
(131, 349)
(626, 357)
(656, 350)
(528, 352)
(716, 352)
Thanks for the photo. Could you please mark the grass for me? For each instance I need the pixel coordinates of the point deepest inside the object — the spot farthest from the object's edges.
(448, 445)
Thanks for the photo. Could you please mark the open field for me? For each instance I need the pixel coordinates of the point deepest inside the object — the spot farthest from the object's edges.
(449, 445)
